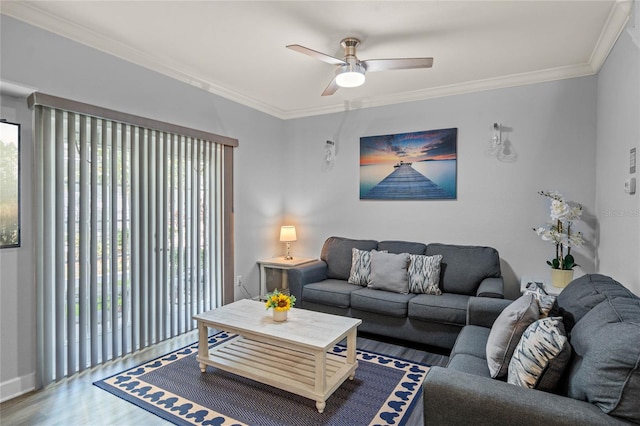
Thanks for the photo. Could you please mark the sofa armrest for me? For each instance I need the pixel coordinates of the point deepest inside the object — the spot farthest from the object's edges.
(491, 287)
(453, 397)
(483, 311)
(306, 274)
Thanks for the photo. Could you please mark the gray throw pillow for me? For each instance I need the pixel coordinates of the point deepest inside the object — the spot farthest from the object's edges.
(507, 331)
(424, 274)
(389, 272)
(541, 356)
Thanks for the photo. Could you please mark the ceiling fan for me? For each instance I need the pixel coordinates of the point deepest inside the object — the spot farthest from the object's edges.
(350, 71)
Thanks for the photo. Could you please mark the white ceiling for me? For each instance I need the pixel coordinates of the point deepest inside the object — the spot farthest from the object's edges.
(236, 49)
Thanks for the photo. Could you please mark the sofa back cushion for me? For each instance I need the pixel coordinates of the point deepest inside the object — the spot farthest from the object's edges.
(402, 247)
(464, 267)
(606, 366)
(336, 253)
(584, 293)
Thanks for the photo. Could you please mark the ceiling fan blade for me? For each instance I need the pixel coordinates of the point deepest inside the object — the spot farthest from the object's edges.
(331, 88)
(397, 64)
(315, 54)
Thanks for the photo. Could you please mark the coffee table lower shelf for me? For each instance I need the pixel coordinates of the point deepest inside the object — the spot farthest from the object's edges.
(311, 375)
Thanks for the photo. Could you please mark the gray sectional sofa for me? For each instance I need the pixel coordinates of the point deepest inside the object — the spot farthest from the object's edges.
(467, 272)
(600, 384)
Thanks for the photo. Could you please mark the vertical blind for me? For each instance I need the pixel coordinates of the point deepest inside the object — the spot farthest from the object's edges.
(133, 232)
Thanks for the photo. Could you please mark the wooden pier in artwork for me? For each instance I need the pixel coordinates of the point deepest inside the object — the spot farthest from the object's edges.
(406, 183)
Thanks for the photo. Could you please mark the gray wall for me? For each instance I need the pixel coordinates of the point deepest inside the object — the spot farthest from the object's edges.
(552, 131)
(618, 132)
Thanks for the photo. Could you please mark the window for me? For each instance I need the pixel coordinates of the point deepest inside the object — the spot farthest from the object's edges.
(134, 232)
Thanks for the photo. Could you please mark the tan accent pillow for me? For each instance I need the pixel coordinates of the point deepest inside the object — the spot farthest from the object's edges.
(507, 331)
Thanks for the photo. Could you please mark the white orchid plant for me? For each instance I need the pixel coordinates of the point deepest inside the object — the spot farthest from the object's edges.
(558, 231)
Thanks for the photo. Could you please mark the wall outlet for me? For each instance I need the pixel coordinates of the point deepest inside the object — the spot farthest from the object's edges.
(239, 280)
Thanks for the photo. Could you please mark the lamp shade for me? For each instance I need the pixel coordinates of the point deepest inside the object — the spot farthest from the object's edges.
(288, 234)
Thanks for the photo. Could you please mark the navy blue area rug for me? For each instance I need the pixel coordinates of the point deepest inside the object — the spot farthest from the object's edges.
(383, 392)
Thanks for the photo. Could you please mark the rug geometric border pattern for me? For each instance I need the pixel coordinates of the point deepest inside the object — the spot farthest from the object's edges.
(131, 386)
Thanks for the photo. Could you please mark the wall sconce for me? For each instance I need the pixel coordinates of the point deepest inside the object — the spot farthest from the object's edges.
(329, 155)
(496, 140)
(500, 146)
(288, 235)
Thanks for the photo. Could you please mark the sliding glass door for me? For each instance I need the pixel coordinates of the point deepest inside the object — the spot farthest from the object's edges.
(134, 234)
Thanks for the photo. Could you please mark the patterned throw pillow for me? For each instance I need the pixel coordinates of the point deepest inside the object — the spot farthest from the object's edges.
(541, 356)
(424, 274)
(546, 303)
(360, 267)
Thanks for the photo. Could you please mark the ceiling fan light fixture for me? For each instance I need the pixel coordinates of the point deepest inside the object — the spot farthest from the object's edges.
(350, 76)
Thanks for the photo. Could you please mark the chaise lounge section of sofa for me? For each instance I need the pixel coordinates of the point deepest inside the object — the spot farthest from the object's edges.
(599, 384)
(466, 272)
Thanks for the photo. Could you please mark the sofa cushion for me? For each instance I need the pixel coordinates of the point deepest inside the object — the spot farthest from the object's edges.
(389, 272)
(469, 364)
(472, 340)
(380, 301)
(606, 366)
(506, 332)
(360, 267)
(329, 292)
(424, 274)
(464, 267)
(585, 292)
(448, 308)
(336, 253)
(541, 356)
(402, 247)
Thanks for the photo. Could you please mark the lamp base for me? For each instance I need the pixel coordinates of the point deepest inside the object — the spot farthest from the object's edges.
(288, 255)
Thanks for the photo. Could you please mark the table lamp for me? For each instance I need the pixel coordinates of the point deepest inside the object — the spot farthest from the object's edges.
(287, 235)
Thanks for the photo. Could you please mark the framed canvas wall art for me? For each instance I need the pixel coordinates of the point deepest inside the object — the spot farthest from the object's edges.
(409, 166)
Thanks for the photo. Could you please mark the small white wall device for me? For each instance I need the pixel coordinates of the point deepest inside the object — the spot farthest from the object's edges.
(329, 155)
(630, 186)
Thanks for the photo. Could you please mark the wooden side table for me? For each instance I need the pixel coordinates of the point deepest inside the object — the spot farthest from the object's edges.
(282, 264)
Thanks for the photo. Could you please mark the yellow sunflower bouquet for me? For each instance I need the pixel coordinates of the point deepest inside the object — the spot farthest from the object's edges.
(280, 301)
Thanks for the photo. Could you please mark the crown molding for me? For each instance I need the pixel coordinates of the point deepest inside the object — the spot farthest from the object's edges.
(33, 15)
(614, 26)
(451, 90)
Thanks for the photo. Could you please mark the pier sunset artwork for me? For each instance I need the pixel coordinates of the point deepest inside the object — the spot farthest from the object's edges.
(409, 166)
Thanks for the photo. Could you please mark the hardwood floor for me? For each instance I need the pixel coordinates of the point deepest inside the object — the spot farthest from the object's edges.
(76, 401)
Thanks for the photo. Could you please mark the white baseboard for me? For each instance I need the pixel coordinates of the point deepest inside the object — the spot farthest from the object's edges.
(16, 387)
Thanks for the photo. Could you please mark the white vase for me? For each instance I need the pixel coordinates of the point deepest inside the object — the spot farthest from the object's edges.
(279, 316)
(561, 277)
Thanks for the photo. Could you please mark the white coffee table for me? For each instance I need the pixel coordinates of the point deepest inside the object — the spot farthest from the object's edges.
(290, 355)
